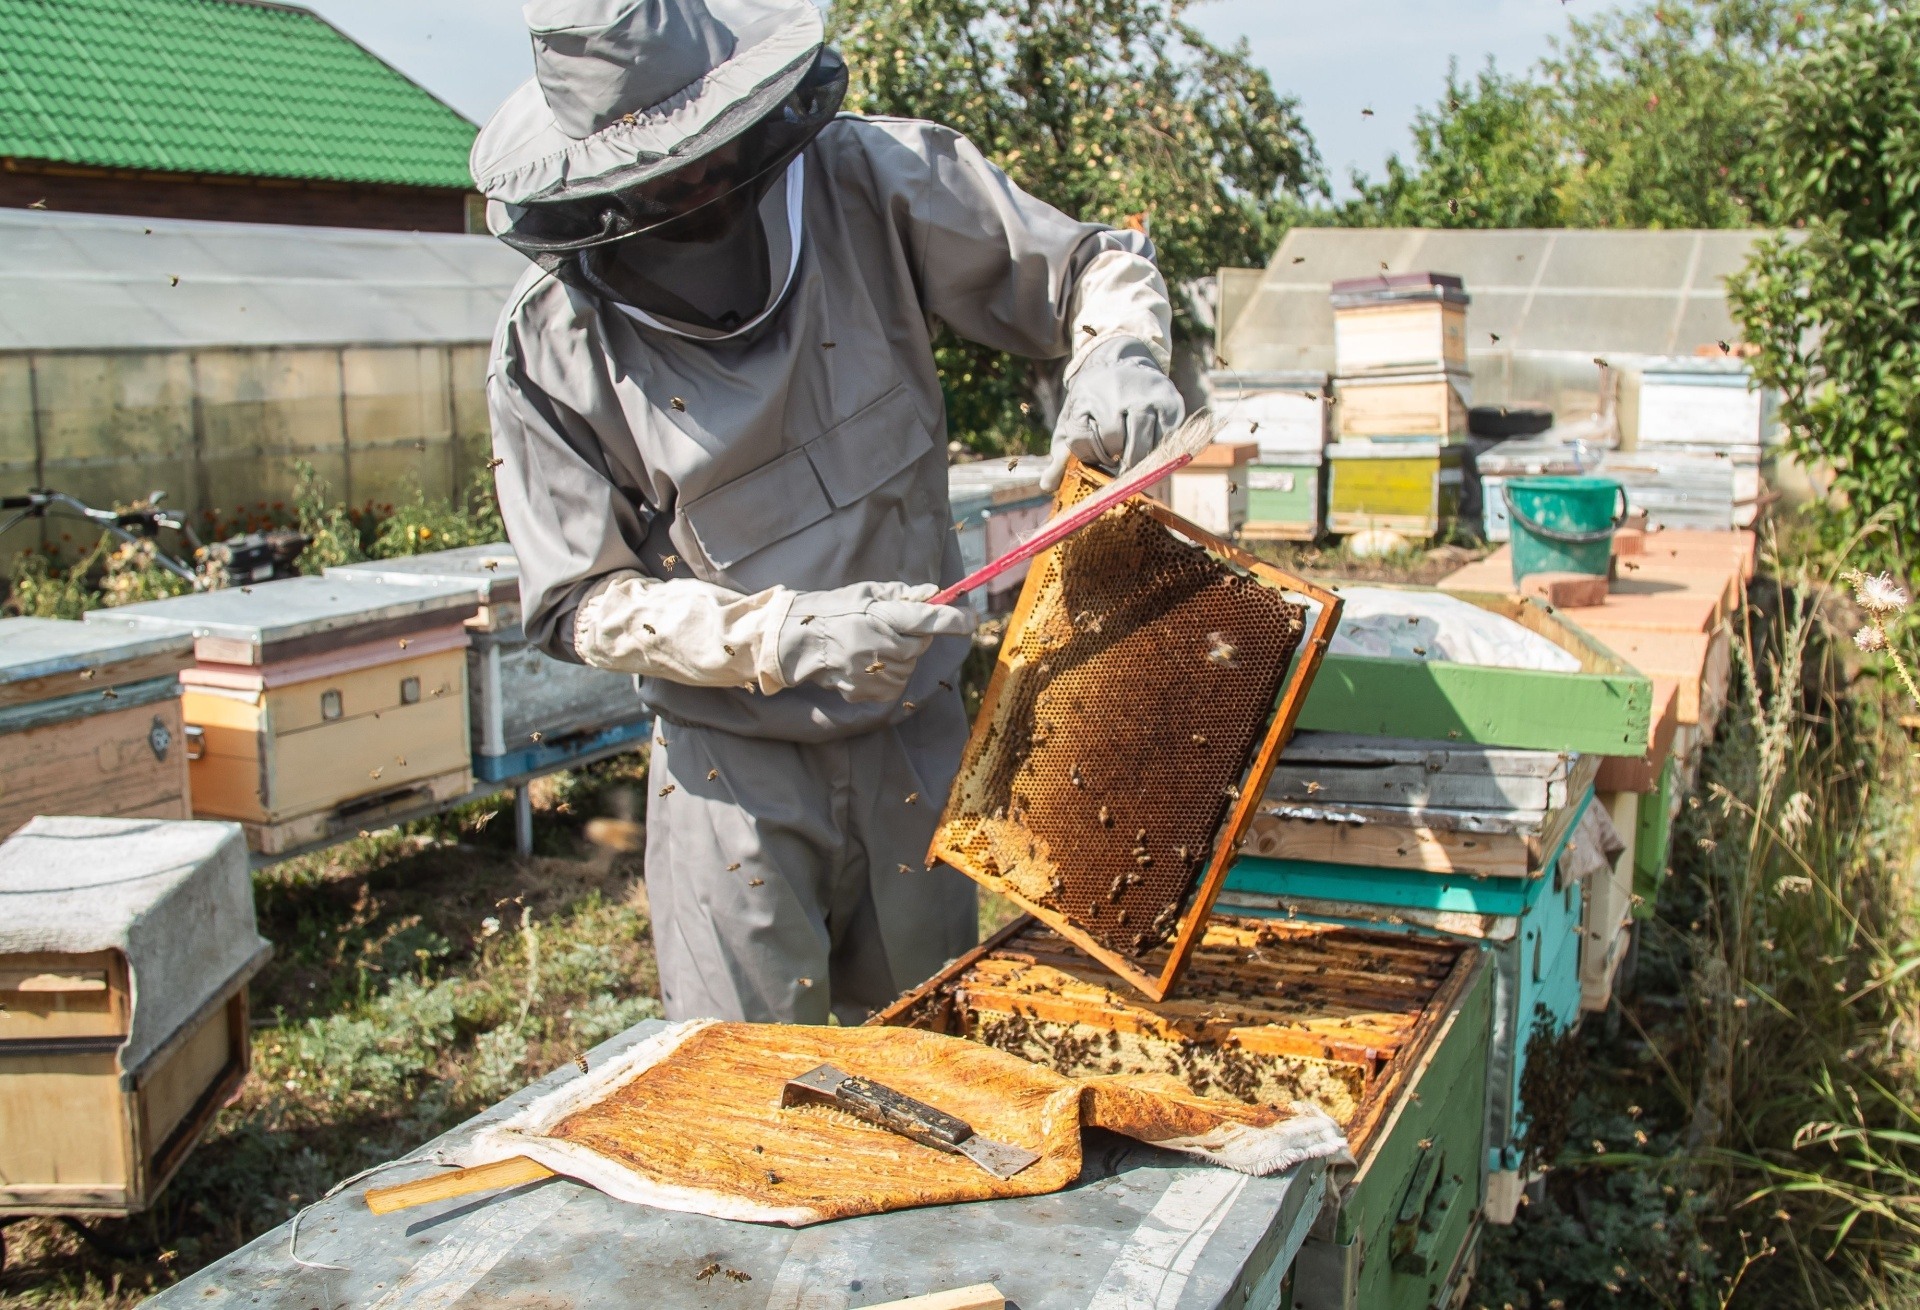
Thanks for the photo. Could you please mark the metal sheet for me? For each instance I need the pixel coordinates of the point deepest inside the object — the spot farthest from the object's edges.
(1334, 768)
(493, 570)
(45, 648)
(1141, 1230)
(271, 613)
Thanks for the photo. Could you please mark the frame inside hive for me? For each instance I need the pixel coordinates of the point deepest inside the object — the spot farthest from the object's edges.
(1149, 677)
(1270, 1012)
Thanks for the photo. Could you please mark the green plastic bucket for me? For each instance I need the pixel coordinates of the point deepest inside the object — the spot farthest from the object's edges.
(1564, 525)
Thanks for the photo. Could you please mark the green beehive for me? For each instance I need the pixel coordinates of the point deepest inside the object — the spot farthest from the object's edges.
(1285, 497)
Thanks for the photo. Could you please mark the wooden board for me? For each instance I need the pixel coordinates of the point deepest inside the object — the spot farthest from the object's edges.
(124, 763)
(47, 995)
(1416, 334)
(1698, 664)
(1607, 908)
(1401, 407)
(1284, 501)
(1478, 843)
(1605, 709)
(1412, 492)
(371, 811)
(1642, 773)
(1347, 768)
(79, 1137)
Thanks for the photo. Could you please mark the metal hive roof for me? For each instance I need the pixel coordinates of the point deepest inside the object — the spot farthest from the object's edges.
(216, 86)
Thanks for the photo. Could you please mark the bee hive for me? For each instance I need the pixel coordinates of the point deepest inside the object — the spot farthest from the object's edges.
(1269, 1011)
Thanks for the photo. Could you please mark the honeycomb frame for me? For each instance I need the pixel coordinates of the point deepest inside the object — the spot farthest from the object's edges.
(1115, 821)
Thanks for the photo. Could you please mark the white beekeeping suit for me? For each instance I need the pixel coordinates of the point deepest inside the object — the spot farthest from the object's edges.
(722, 449)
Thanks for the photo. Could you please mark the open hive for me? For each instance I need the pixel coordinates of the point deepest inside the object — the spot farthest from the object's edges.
(1147, 682)
(1268, 1012)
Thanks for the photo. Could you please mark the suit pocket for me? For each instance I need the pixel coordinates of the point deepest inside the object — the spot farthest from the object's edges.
(842, 466)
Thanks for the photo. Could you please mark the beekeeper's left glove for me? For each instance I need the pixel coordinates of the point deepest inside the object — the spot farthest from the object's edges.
(1119, 406)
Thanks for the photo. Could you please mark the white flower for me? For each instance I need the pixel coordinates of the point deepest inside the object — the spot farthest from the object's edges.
(489, 926)
(1870, 638)
(1878, 593)
(1796, 814)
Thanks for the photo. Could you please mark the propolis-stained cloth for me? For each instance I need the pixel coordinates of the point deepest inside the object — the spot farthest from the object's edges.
(691, 1120)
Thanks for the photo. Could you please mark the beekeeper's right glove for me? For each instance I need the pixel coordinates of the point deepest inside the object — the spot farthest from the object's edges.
(863, 641)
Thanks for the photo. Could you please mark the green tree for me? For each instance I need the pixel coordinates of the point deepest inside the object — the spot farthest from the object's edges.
(1834, 306)
(1113, 110)
(1650, 117)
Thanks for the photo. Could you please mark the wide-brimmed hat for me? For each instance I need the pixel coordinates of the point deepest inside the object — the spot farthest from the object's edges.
(625, 91)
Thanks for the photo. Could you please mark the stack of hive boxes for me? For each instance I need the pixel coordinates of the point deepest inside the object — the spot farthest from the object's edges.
(319, 706)
(1692, 456)
(528, 712)
(1283, 416)
(1402, 394)
(1483, 829)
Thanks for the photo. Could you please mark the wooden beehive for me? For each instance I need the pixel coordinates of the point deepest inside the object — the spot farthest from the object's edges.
(1410, 487)
(1388, 1035)
(1428, 406)
(320, 705)
(90, 722)
(1403, 320)
(527, 711)
(1211, 492)
(100, 1102)
(1286, 497)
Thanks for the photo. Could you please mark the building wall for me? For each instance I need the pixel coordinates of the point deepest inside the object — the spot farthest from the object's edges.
(25, 184)
(221, 429)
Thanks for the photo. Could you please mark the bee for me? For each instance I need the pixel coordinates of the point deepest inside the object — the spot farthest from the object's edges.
(1420, 650)
(712, 774)
(109, 694)
(537, 736)
(1106, 817)
(1601, 362)
(945, 685)
(495, 462)
(1299, 259)
(728, 649)
(828, 345)
(908, 706)
(913, 798)
(706, 1272)
(1254, 427)
(1219, 649)
(375, 774)
(804, 982)
(761, 882)
(86, 675)
(1199, 738)
(906, 868)
(1368, 113)
(403, 643)
(669, 561)
(737, 1275)
(1495, 336)
(809, 618)
(1232, 791)
(1073, 776)
(734, 867)
(1313, 787)
(581, 1061)
(491, 566)
(651, 630)
(678, 404)
(773, 1178)
(876, 667)
(669, 789)
(1013, 463)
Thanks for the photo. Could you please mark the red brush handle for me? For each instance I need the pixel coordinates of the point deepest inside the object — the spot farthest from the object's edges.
(1064, 525)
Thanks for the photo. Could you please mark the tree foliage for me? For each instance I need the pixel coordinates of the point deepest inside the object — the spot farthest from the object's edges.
(1835, 309)
(1649, 117)
(1115, 111)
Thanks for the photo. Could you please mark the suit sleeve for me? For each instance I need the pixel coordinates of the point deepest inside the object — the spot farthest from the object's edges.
(1010, 271)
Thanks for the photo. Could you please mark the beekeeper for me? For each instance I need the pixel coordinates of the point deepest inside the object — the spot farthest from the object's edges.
(721, 451)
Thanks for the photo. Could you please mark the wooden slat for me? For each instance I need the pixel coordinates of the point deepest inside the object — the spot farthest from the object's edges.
(460, 1182)
(981, 1296)
(102, 764)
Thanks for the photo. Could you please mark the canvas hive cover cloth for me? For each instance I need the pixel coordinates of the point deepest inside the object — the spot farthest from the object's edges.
(691, 1120)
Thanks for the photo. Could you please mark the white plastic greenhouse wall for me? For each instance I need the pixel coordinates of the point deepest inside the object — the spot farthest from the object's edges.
(203, 359)
(1545, 303)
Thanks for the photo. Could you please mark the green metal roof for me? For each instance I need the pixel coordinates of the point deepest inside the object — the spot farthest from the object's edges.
(216, 86)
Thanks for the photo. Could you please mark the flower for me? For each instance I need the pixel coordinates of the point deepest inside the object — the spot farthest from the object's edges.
(1878, 593)
(1870, 638)
(1796, 814)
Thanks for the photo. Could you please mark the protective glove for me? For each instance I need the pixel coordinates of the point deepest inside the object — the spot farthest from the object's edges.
(1119, 406)
(863, 640)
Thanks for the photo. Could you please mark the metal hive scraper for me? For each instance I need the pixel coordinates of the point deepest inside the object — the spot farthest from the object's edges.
(885, 1108)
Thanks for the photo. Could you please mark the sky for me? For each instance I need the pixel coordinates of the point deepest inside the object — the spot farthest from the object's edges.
(1338, 57)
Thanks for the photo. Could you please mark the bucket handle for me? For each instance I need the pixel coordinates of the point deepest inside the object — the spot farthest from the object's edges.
(1555, 535)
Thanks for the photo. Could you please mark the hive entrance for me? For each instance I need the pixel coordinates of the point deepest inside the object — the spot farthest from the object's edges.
(1139, 689)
